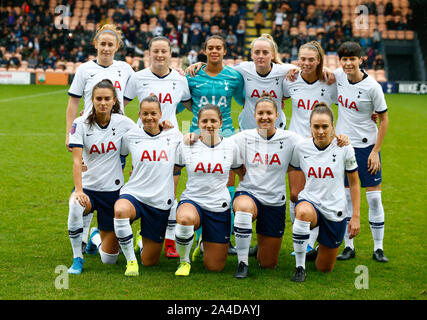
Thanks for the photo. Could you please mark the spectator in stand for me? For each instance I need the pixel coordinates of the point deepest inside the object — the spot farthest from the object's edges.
(331, 48)
(196, 40)
(389, 8)
(231, 39)
(379, 62)
(259, 22)
(240, 33)
(50, 60)
(380, 8)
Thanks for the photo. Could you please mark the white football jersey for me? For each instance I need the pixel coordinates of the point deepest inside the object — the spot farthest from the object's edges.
(207, 170)
(256, 85)
(90, 73)
(153, 160)
(266, 162)
(356, 103)
(101, 151)
(304, 96)
(170, 89)
(324, 171)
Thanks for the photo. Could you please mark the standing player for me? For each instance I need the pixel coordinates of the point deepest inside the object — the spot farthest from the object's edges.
(322, 203)
(359, 95)
(266, 152)
(216, 84)
(149, 193)
(205, 201)
(107, 41)
(264, 74)
(306, 90)
(171, 88)
(96, 139)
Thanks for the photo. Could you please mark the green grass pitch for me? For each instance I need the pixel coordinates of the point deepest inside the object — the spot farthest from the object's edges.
(36, 180)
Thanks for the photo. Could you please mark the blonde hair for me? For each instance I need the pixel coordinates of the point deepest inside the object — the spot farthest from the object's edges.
(267, 37)
(112, 29)
(317, 48)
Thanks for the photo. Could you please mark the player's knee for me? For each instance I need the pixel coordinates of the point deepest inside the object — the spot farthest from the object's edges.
(214, 267)
(121, 211)
(108, 258)
(243, 205)
(324, 267)
(267, 264)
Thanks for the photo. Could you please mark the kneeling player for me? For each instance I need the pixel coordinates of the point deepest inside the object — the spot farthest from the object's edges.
(149, 193)
(96, 139)
(322, 201)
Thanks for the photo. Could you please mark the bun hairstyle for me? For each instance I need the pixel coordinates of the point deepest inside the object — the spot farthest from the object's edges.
(323, 108)
(210, 106)
(266, 97)
(267, 37)
(111, 29)
(316, 47)
(152, 98)
(104, 84)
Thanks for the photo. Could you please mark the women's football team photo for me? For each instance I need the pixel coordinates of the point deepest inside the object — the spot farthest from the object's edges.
(324, 160)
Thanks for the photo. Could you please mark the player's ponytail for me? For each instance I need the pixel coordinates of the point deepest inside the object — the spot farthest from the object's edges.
(317, 48)
(275, 51)
(323, 108)
(266, 97)
(152, 98)
(103, 84)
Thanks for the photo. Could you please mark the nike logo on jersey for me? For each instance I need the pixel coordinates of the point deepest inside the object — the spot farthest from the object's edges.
(200, 85)
(89, 134)
(376, 179)
(305, 157)
(91, 75)
(145, 84)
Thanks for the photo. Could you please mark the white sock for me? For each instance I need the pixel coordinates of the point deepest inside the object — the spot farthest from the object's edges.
(313, 236)
(75, 226)
(108, 258)
(347, 241)
(87, 220)
(184, 241)
(170, 230)
(292, 211)
(140, 245)
(300, 235)
(124, 235)
(96, 240)
(376, 218)
(243, 234)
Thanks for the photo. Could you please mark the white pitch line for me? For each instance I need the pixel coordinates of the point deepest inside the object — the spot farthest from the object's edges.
(34, 134)
(32, 96)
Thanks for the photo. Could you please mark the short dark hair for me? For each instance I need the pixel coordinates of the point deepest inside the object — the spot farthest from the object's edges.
(349, 49)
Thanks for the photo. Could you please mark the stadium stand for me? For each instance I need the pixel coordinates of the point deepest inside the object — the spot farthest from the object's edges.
(30, 40)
